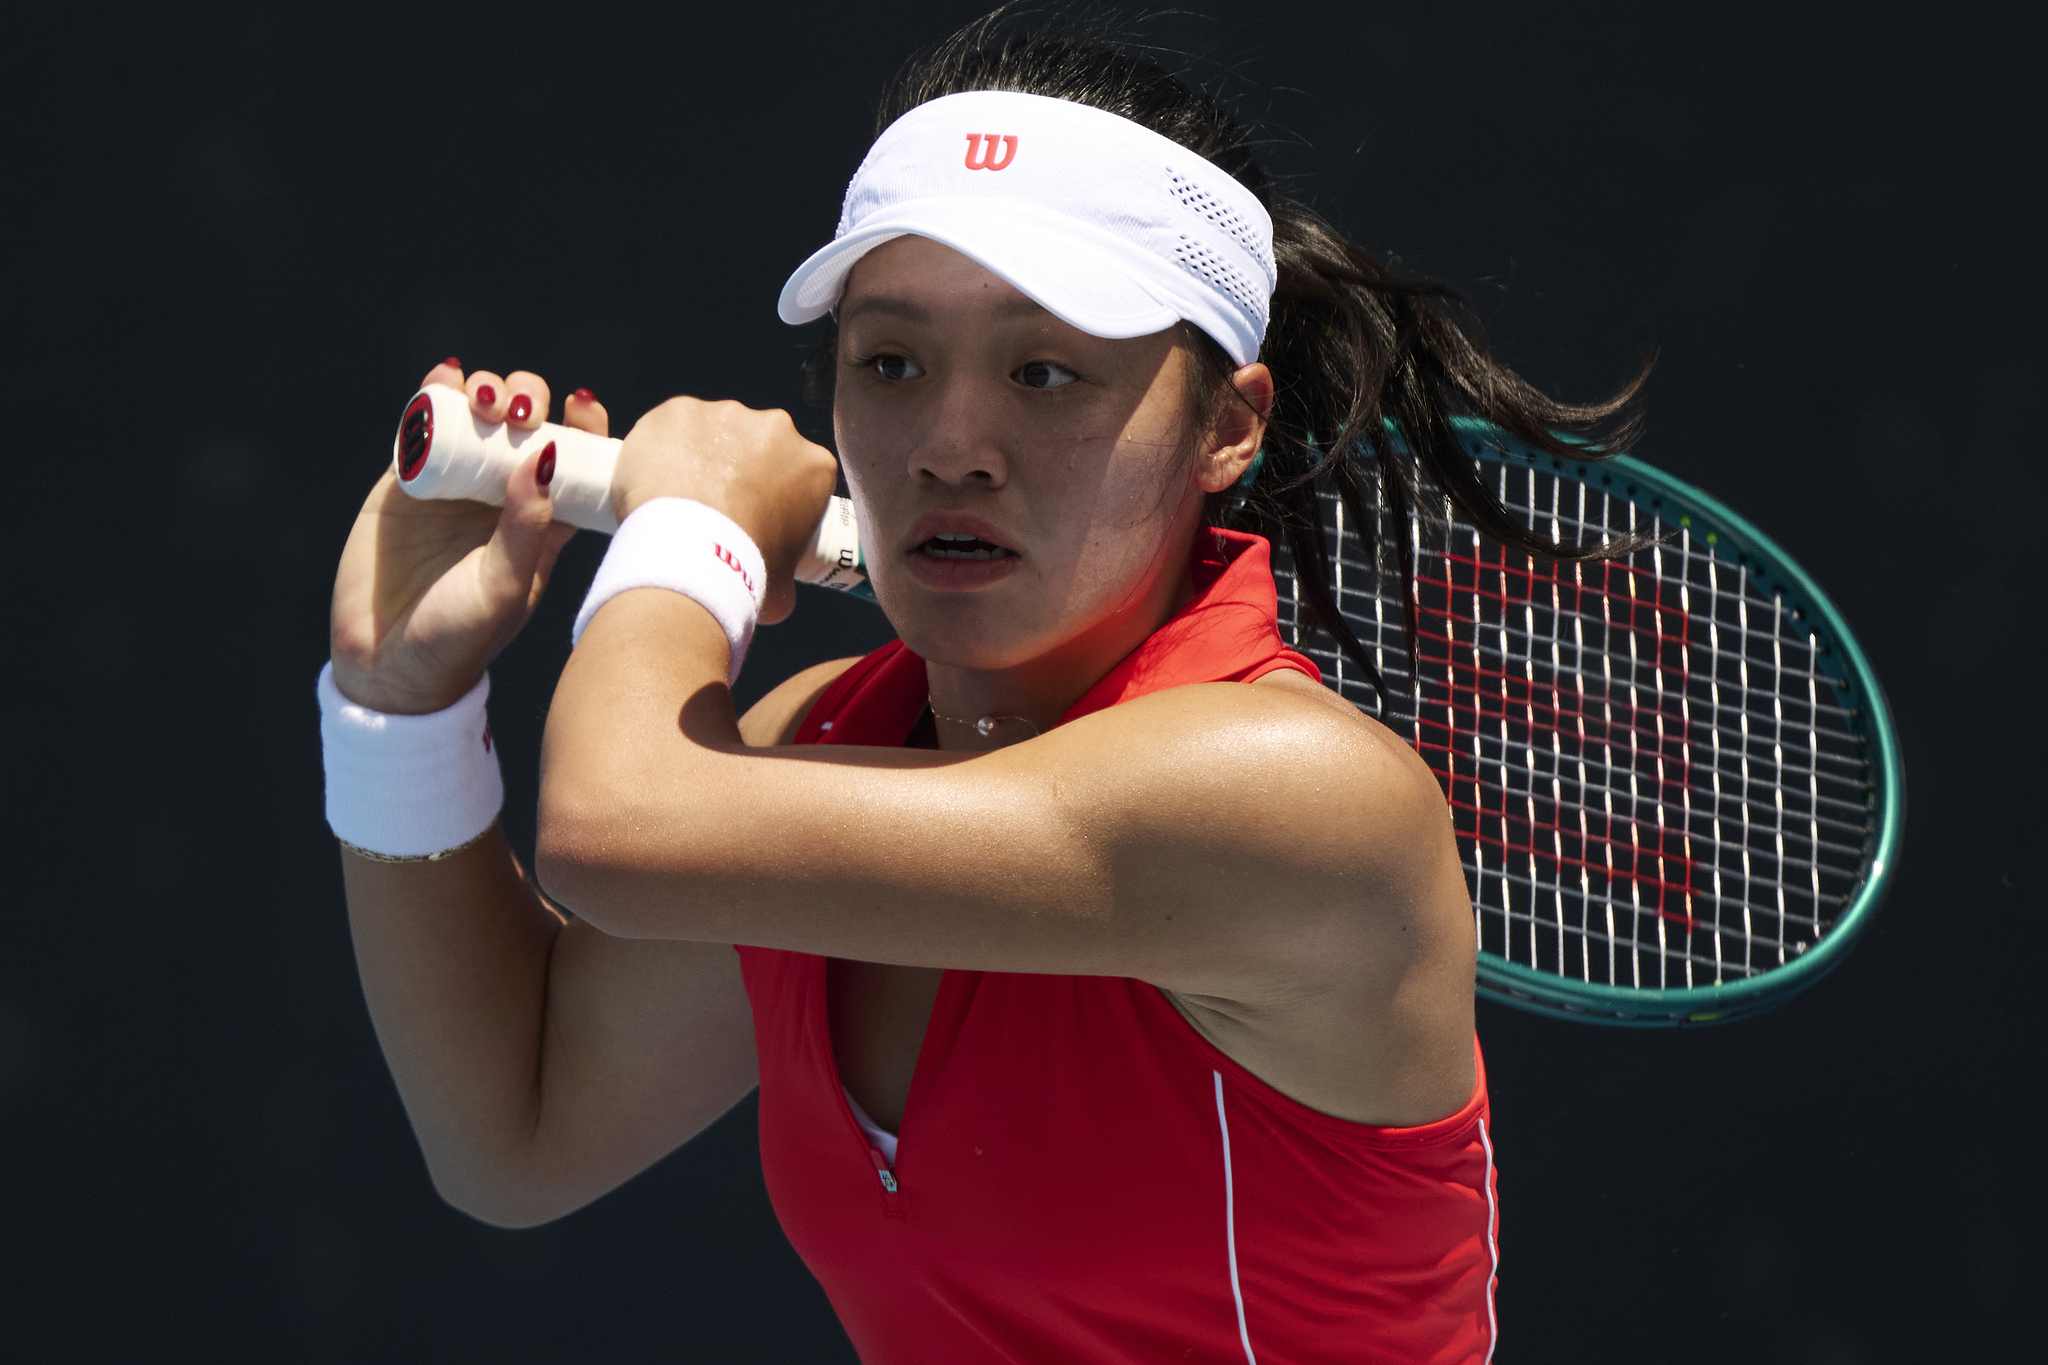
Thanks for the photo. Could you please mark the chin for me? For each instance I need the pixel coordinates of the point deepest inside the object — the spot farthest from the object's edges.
(985, 646)
(978, 631)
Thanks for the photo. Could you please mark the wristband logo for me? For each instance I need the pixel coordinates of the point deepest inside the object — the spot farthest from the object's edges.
(981, 155)
(732, 562)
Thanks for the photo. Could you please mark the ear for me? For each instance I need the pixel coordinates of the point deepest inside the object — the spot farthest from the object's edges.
(1240, 430)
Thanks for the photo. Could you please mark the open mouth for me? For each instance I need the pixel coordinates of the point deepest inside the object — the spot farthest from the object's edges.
(947, 545)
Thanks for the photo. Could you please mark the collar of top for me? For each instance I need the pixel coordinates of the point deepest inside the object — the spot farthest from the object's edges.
(1106, 225)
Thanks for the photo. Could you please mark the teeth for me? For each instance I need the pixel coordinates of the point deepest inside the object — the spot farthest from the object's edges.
(953, 545)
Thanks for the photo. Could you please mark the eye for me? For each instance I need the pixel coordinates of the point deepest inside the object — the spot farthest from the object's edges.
(892, 367)
(1043, 374)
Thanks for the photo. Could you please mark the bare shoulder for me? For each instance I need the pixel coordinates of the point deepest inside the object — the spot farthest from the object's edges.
(1318, 808)
(1288, 742)
(1352, 735)
(776, 717)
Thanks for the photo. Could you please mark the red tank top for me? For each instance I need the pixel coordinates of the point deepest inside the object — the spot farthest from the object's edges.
(1080, 1175)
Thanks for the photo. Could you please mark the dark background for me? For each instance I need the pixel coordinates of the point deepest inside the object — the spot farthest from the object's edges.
(241, 234)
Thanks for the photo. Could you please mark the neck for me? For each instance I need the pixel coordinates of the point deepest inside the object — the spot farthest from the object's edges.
(1029, 699)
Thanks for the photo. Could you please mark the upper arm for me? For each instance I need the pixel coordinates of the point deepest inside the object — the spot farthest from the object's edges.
(646, 1041)
(645, 1044)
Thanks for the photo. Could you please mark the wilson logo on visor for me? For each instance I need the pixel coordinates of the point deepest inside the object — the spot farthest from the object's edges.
(981, 151)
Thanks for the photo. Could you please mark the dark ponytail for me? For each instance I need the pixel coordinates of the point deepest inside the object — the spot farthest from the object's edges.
(1369, 366)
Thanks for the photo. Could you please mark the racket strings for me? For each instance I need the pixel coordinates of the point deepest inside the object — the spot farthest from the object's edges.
(1654, 777)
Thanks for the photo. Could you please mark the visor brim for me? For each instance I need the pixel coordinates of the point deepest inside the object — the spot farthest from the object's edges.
(1063, 265)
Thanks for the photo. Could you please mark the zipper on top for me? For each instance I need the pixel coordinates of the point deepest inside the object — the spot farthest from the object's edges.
(892, 1190)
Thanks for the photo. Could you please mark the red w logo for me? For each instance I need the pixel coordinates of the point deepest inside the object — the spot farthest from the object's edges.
(981, 156)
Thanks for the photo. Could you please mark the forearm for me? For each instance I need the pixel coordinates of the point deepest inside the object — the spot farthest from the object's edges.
(642, 711)
(454, 958)
(657, 822)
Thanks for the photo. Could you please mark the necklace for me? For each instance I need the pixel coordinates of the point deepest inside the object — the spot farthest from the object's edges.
(984, 727)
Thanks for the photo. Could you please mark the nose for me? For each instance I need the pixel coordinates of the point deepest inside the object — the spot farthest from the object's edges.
(963, 445)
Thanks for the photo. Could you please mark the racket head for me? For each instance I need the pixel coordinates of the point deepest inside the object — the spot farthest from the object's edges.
(1621, 742)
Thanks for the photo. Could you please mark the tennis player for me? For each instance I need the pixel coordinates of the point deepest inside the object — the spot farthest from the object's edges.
(1106, 979)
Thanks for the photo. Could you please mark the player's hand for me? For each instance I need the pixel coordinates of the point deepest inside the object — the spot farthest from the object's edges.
(752, 466)
(430, 590)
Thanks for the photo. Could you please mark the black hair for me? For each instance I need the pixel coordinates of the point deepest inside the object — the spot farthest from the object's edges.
(1369, 365)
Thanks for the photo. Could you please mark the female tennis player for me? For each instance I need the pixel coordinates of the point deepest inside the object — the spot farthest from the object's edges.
(1107, 980)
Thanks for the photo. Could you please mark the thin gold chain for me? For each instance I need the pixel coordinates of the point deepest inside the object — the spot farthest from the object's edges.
(984, 727)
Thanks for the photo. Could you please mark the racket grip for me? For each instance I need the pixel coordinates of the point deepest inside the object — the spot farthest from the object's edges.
(443, 450)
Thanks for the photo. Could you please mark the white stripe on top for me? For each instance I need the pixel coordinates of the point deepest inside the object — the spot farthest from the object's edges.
(1230, 1222)
(1492, 1246)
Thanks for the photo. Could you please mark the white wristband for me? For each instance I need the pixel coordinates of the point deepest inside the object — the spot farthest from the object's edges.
(408, 786)
(692, 549)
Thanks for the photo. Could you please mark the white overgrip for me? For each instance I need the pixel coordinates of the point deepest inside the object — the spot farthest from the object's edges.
(466, 457)
(443, 450)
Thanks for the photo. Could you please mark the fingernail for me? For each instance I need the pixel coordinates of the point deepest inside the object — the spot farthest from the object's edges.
(521, 409)
(452, 363)
(486, 395)
(544, 472)
(584, 396)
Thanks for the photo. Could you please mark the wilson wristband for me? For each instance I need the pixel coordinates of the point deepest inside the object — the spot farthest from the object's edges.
(406, 787)
(692, 549)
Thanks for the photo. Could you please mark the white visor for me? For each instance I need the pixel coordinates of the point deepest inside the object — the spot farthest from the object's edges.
(1106, 225)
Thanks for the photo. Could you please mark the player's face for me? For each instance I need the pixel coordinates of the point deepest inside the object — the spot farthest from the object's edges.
(1023, 487)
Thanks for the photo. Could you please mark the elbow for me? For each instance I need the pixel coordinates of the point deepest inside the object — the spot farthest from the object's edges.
(501, 1199)
(568, 877)
(606, 862)
(588, 872)
(510, 1214)
(574, 859)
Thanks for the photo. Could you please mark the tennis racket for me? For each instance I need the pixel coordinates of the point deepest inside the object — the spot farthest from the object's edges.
(1677, 792)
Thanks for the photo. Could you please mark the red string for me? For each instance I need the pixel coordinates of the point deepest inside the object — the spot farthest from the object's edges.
(1627, 727)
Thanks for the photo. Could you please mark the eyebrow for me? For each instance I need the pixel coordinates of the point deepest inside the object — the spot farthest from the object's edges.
(890, 305)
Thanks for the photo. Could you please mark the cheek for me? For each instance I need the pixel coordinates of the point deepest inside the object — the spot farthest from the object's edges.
(1147, 478)
(1128, 522)
(856, 440)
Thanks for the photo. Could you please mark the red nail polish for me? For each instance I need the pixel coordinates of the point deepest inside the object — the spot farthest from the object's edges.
(521, 409)
(486, 395)
(544, 472)
(584, 395)
(452, 363)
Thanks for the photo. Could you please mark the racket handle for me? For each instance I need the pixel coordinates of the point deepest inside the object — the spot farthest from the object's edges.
(443, 450)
